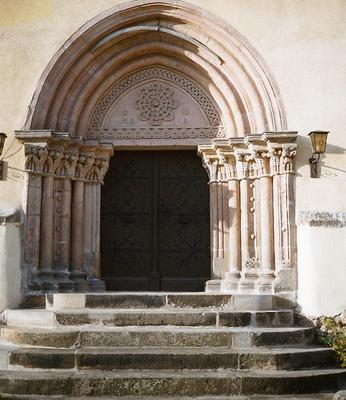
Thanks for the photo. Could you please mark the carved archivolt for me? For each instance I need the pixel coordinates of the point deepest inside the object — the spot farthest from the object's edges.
(147, 101)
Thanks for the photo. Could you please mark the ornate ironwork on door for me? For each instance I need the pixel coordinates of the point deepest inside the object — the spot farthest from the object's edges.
(155, 222)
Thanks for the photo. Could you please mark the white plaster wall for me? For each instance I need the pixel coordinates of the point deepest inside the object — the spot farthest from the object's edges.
(321, 280)
(303, 43)
(10, 269)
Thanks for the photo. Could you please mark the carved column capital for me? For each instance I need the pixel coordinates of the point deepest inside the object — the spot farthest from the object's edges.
(244, 163)
(98, 170)
(210, 162)
(84, 164)
(282, 147)
(35, 157)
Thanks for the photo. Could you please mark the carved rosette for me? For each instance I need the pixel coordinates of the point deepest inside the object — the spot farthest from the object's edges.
(156, 104)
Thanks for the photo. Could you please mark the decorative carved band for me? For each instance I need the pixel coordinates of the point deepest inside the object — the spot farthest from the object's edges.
(184, 83)
(155, 133)
(336, 219)
(67, 163)
(254, 156)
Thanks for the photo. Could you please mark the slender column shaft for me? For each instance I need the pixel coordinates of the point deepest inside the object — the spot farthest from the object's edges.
(95, 245)
(62, 224)
(87, 230)
(66, 223)
(214, 221)
(266, 273)
(47, 225)
(77, 227)
(220, 220)
(233, 274)
(248, 253)
(33, 221)
(245, 220)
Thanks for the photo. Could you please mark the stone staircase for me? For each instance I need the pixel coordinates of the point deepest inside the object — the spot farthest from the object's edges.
(158, 346)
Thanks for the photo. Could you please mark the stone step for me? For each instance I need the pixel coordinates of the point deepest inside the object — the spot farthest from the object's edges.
(171, 358)
(149, 317)
(82, 336)
(170, 383)
(238, 302)
(320, 396)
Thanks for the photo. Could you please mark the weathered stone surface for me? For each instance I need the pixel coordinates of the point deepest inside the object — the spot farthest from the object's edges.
(40, 338)
(133, 338)
(140, 318)
(119, 300)
(172, 358)
(199, 300)
(36, 358)
(167, 383)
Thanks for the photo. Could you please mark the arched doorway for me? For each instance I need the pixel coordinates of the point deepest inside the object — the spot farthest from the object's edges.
(146, 76)
(155, 222)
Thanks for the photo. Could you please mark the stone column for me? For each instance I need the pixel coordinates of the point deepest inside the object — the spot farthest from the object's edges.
(218, 215)
(266, 272)
(34, 161)
(282, 148)
(62, 235)
(249, 257)
(47, 215)
(78, 273)
(232, 247)
(91, 228)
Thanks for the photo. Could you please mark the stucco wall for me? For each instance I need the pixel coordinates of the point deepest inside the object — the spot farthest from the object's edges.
(302, 42)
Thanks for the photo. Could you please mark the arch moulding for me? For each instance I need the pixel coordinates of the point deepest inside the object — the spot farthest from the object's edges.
(159, 74)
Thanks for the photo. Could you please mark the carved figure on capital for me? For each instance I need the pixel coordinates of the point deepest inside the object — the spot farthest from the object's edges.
(84, 164)
(287, 161)
(52, 162)
(244, 164)
(67, 165)
(35, 158)
(212, 167)
(98, 170)
(228, 166)
(262, 160)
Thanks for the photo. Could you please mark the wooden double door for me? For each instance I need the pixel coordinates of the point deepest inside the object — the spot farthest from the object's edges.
(155, 222)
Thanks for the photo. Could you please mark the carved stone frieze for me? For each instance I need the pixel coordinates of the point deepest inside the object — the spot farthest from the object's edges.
(336, 219)
(65, 163)
(104, 134)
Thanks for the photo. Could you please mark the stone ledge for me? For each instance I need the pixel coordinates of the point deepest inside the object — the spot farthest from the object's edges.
(336, 219)
(10, 215)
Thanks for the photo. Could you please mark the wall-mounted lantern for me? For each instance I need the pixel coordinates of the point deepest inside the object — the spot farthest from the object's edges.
(2, 142)
(318, 144)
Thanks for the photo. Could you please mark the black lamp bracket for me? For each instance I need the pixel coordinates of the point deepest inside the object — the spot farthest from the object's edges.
(314, 160)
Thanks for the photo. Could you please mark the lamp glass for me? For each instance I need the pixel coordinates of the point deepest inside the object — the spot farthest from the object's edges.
(318, 141)
(2, 141)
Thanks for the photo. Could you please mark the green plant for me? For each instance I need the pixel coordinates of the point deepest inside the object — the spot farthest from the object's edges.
(332, 333)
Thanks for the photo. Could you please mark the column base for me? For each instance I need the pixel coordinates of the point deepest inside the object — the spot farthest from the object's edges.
(265, 281)
(96, 285)
(213, 285)
(247, 282)
(230, 282)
